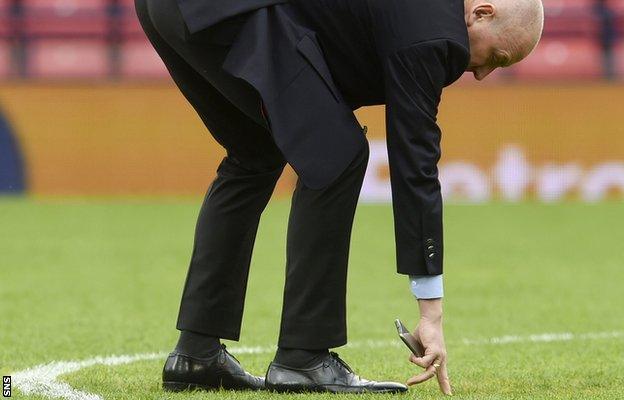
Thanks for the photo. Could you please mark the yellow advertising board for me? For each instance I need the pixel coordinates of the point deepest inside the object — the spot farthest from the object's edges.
(506, 142)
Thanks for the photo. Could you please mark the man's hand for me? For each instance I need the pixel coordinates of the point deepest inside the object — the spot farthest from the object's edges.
(430, 335)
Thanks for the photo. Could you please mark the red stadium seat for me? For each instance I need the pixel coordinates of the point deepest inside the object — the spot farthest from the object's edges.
(65, 7)
(555, 8)
(4, 27)
(616, 5)
(127, 3)
(139, 60)
(5, 59)
(4, 18)
(127, 6)
(570, 17)
(130, 26)
(562, 59)
(585, 25)
(54, 58)
(65, 17)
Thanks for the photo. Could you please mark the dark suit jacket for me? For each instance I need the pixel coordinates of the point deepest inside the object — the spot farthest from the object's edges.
(314, 61)
(202, 14)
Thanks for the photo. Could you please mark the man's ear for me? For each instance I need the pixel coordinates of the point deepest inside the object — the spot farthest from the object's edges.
(484, 11)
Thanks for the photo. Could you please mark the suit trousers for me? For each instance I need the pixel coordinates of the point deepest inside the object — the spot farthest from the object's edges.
(320, 221)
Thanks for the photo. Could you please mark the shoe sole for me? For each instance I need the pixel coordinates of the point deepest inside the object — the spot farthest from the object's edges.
(328, 389)
(184, 386)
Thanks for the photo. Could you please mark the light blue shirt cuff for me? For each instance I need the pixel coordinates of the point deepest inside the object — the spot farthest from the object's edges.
(427, 286)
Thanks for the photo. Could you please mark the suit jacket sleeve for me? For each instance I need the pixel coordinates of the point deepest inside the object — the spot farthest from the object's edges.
(414, 79)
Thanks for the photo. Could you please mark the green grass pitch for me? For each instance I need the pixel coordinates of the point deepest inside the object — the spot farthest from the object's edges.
(81, 278)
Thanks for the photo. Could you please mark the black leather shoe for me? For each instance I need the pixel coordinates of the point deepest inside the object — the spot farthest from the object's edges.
(330, 375)
(182, 372)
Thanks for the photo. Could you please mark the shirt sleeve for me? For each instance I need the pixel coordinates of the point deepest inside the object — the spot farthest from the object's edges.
(414, 79)
(427, 287)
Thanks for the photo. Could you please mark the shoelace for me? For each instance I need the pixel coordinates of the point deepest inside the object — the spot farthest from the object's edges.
(339, 361)
(224, 347)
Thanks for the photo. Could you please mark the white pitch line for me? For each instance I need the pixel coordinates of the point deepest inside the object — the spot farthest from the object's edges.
(43, 379)
(545, 338)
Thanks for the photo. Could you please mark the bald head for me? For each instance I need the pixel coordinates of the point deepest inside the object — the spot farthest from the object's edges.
(520, 22)
(502, 32)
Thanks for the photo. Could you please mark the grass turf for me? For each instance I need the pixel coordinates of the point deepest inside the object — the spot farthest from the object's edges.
(80, 278)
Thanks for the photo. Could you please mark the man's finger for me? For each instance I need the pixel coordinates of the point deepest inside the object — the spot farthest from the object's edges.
(421, 348)
(443, 380)
(424, 361)
(425, 376)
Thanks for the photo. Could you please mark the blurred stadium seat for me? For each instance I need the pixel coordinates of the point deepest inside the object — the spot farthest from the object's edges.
(570, 17)
(616, 5)
(5, 21)
(62, 58)
(555, 8)
(138, 59)
(65, 17)
(618, 8)
(129, 24)
(576, 34)
(564, 58)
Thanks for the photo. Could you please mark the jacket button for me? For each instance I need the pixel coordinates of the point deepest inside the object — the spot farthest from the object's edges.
(431, 255)
(430, 248)
(430, 241)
